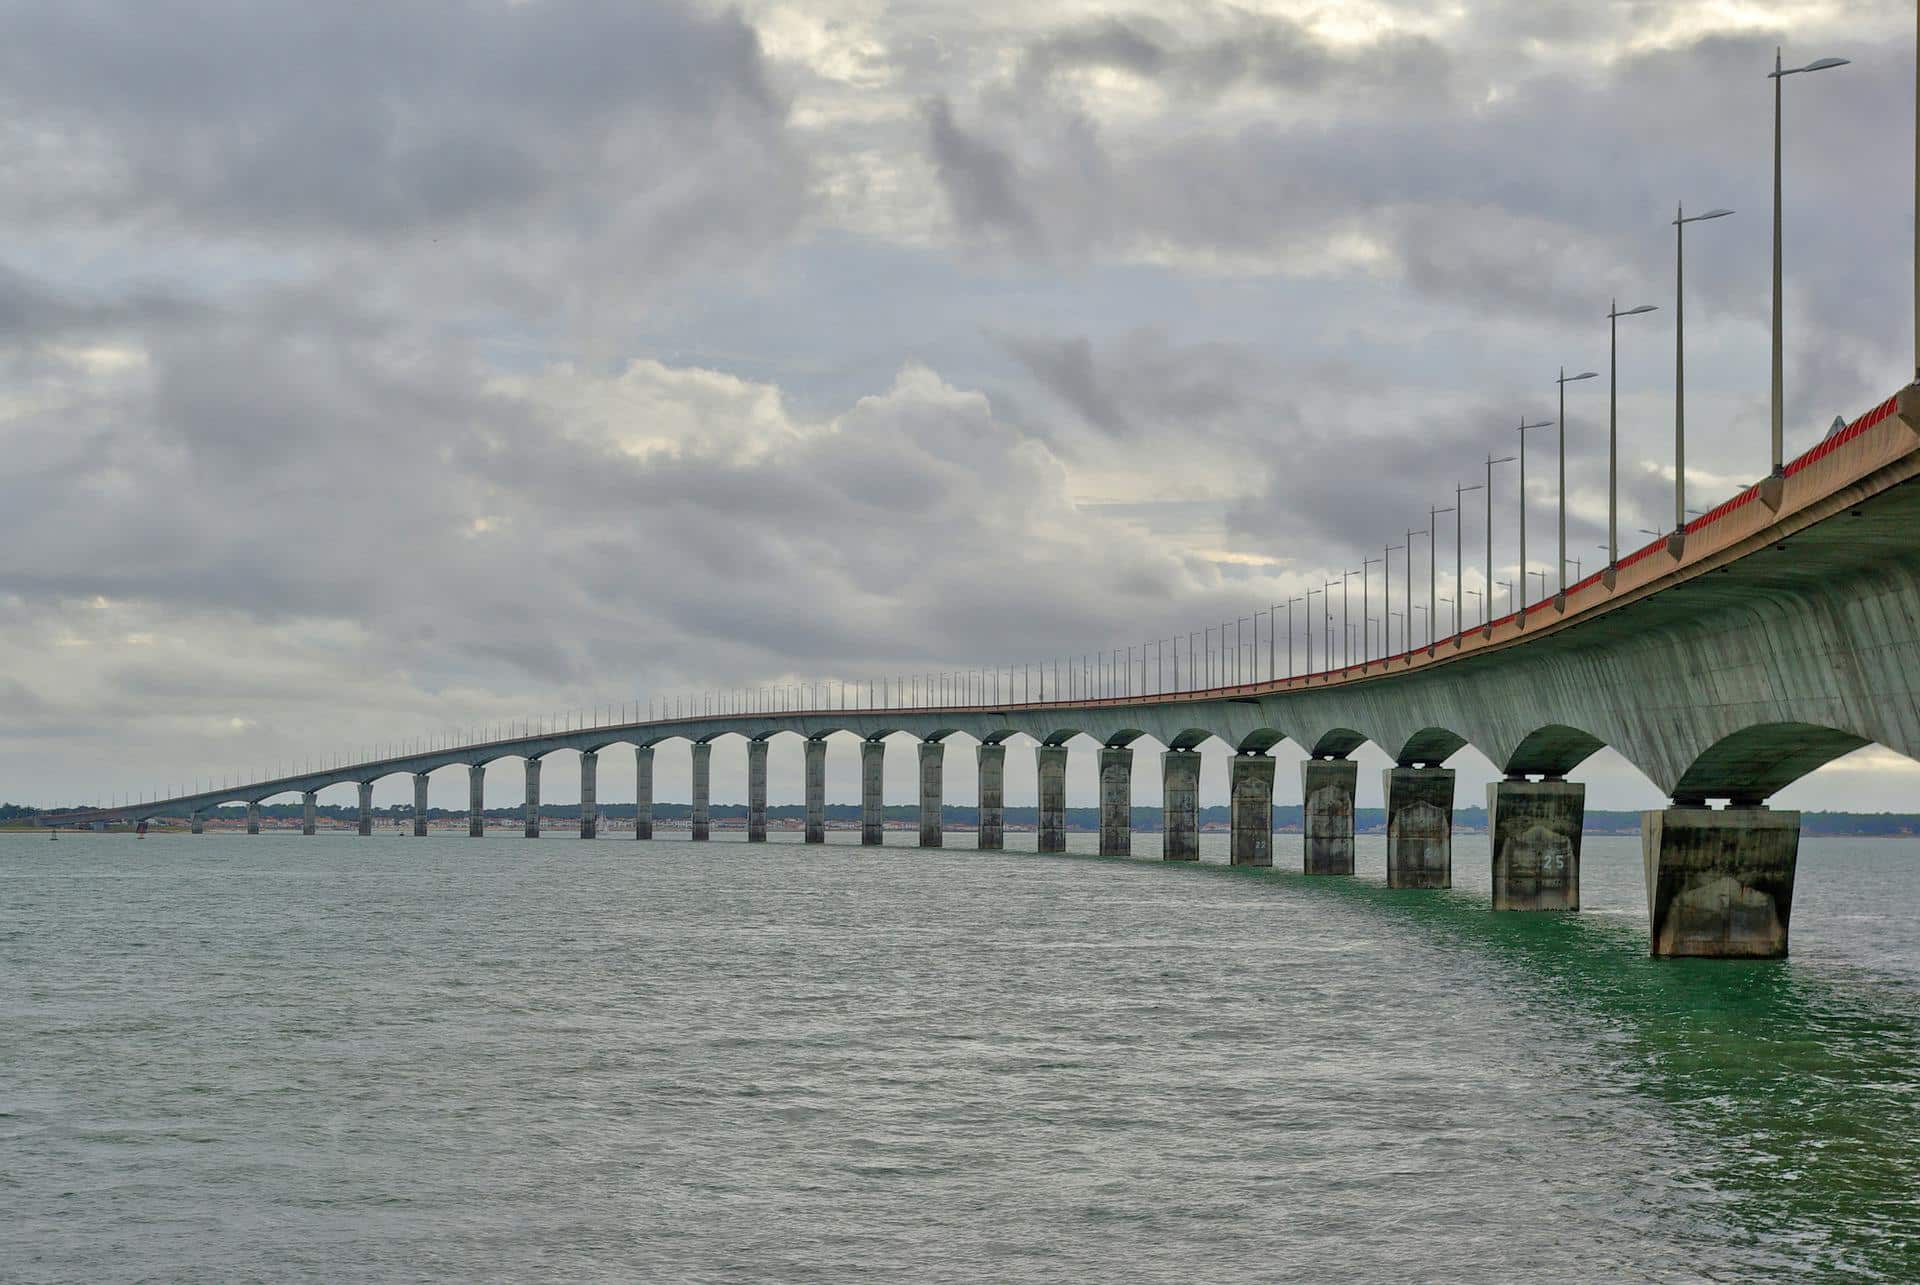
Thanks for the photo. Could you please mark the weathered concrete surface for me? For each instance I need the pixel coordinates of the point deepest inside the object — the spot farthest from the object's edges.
(1180, 805)
(309, 804)
(589, 793)
(1326, 787)
(1533, 828)
(1719, 884)
(366, 807)
(253, 818)
(933, 759)
(533, 798)
(419, 805)
(814, 769)
(1051, 762)
(1419, 827)
(198, 823)
(756, 791)
(992, 763)
(1116, 800)
(873, 775)
(701, 823)
(476, 800)
(643, 792)
(1251, 785)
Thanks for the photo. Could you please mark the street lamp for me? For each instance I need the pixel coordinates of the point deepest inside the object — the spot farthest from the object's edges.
(1386, 597)
(1508, 586)
(1432, 545)
(1524, 427)
(1459, 577)
(1560, 599)
(1778, 77)
(1680, 221)
(1366, 600)
(1613, 428)
(1491, 461)
(1406, 626)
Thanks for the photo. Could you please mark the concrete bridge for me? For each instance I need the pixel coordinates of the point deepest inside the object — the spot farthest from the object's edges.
(1774, 634)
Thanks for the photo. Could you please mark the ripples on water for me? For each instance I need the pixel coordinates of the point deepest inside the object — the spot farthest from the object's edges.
(341, 1058)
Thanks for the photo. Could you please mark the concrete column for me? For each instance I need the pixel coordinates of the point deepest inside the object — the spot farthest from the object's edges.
(933, 762)
(1116, 800)
(366, 807)
(253, 817)
(873, 756)
(1052, 763)
(702, 786)
(419, 804)
(992, 762)
(815, 764)
(533, 798)
(1533, 828)
(756, 791)
(476, 800)
(1252, 793)
(308, 802)
(589, 793)
(1419, 827)
(1180, 805)
(198, 824)
(1326, 788)
(643, 792)
(1719, 884)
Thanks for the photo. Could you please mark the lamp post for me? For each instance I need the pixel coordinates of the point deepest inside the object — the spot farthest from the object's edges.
(1613, 428)
(1560, 599)
(1307, 628)
(1326, 619)
(1433, 619)
(1779, 76)
(1290, 603)
(1491, 461)
(1366, 605)
(1346, 619)
(1406, 625)
(1508, 586)
(1523, 430)
(1386, 598)
(1459, 577)
(1680, 221)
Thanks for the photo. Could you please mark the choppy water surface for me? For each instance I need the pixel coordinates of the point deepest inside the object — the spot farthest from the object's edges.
(338, 1058)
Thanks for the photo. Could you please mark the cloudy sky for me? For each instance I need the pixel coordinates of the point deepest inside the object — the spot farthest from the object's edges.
(371, 370)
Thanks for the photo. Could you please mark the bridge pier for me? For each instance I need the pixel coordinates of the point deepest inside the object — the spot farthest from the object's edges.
(933, 759)
(1719, 884)
(308, 803)
(1180, 805)
(1419, 827)
(643, 791)
(1252, 812)
(992, 762)
(873, 813)
(1051, 762)
(701, 822)
(1116, 800)
(419, 805)
(1534, 830)
(476, 800)
(533, 798)
(253, 816)
(756, 791)
(815, 765)
(197, 824)
(1326, 790)
(589, 793)
(366, 807)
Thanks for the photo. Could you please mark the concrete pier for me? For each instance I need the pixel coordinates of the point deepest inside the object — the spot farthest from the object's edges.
(1533, 828)
(643, 792)
(992, 762)
(419, 805)
(756, 791)
(1116, 800)
(309, 803)
(933, 759)
(589, 793)
(198, 823)
(1719, 884)
(815, 770)
(476, 800)
(253, 817)
(1326, 789)
(1051, 761)
(873, 763)
(1180, 805)
(1252, 794)
(701, 824)
(366, 807)
(1419, 827)
(532, 812)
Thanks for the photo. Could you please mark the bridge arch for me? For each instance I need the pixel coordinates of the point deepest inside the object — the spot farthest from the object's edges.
(1430, 746)
(1123, 737)
(1259, 740)
(1553, 751)
(1759, 761)
(1191, 738)
(1337, 743)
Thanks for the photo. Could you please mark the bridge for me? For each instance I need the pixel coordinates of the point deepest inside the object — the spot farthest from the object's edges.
(1765, 638)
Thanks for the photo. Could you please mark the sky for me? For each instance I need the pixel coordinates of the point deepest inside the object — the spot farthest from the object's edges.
(372, 371)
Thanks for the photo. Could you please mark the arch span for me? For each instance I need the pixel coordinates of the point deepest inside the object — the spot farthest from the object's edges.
(1260, 740)
(1430, 746)
(1553, 750)
(1337, 743)
(1757, 762)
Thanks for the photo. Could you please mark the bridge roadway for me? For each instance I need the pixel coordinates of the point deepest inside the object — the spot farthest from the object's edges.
(1775, 634)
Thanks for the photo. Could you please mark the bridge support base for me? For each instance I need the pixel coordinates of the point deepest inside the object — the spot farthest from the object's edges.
(419, 805)
(1534, 829)
(1116, 800)
(589, 794)
(1180, 805)
(1051, 761)
(1719, 884)
(533, 799)
(1419, 827)
(756, 791)
(253, 818)
(700, 822)
(873, 808)
(814, 754)
(366, 807)
(1252, 814)
(1326, 788)
(309, 802)
(643, 792)
(198, 824)
(933, 762)
(476, 800)
(992, 760)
